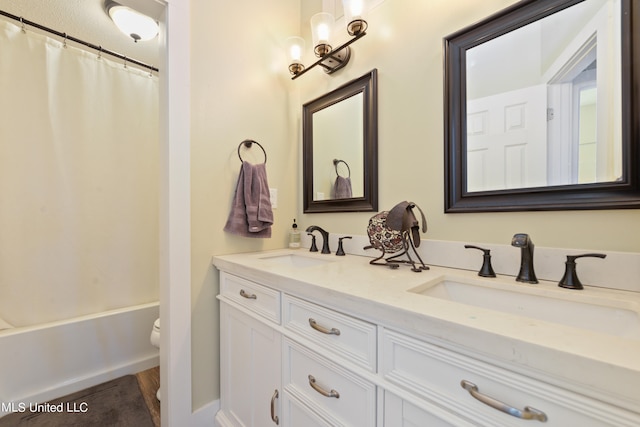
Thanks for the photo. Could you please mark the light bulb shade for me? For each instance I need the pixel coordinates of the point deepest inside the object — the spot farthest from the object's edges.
(321, 25)
(354, 15)
(132, 23)
(294, 47)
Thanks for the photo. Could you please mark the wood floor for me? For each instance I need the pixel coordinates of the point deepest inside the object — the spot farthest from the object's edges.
(149, 381)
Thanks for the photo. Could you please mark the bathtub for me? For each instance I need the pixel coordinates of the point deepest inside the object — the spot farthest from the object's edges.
(39, 363)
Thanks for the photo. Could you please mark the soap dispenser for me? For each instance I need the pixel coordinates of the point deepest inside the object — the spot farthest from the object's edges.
(294, 236)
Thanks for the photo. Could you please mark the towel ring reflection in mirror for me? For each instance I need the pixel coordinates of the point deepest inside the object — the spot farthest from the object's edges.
(352, 106)
(335, 164)
(248, 143)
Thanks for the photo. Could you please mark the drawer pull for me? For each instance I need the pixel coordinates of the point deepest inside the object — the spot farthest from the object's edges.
(528, 413)
(332, 331)
(243, 293)
(274, 417)
(325, 393)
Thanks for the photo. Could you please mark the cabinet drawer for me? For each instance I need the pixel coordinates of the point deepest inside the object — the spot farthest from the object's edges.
(257, 298)
(338, 334)
(296, 414)
(436, 374)
(401, 413)
(339, 396)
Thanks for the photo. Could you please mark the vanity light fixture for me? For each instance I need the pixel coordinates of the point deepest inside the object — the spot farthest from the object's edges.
(295, 47)
(353, 12)
(131, 22)
(331, 59)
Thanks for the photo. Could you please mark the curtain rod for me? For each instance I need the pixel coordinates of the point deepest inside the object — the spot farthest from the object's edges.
(65, 36)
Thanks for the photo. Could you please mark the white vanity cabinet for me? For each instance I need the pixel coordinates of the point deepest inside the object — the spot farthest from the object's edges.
(298, 354)
(250, 357)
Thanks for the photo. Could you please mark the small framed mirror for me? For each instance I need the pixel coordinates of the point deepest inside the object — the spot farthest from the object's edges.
(340, 148)
(541, 108)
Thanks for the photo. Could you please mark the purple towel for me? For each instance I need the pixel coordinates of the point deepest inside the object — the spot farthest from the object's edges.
(342, 188)
(251, 214)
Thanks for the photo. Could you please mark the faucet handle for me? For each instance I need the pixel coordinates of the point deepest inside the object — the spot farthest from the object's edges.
(314, 247)
(486, 270)
(340, 251)
(570, 279)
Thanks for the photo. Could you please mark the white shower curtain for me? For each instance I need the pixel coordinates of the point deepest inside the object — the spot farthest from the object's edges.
(79, 181)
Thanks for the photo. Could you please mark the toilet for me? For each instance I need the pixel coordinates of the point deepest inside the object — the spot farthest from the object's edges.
(155, 341)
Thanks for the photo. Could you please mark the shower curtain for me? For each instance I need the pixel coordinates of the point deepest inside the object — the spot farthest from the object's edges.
(79, 180)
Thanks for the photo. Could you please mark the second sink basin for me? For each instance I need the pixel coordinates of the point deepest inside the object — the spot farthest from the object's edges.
(295, 260)
(613, 316)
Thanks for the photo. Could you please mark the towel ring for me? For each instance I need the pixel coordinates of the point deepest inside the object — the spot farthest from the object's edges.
(335, 164)
(248, 143)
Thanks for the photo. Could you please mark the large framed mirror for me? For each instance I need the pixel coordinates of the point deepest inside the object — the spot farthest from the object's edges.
(340, 148)
(541, 108)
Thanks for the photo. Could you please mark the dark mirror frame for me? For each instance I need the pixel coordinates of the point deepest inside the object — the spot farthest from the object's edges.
(609, 195)
(368, 86)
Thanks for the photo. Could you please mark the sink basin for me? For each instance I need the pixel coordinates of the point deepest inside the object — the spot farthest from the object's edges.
(295, 260)
(613, 316)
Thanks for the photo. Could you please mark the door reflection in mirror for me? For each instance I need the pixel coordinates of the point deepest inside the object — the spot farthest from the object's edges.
(543, 102)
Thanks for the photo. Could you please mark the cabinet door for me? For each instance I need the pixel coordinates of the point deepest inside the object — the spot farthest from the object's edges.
(250, 370)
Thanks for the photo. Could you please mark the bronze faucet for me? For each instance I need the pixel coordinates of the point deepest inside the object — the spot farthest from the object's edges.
(325, 237)
(526, 274)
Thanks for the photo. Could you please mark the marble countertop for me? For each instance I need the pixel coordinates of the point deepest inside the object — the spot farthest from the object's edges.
(594, 363)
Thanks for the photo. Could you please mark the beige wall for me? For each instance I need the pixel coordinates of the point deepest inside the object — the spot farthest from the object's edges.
(243, 92)
(404, 42)
(240, 90)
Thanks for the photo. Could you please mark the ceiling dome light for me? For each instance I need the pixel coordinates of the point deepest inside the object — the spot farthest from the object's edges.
(133, 24)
